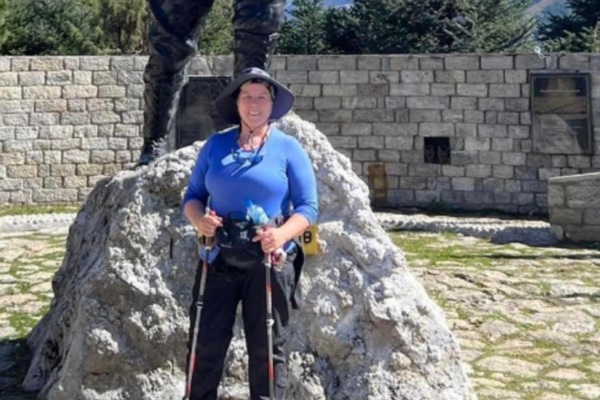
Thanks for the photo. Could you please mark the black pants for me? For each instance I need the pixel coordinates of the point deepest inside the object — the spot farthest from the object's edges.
(173, 38)
(226, 286)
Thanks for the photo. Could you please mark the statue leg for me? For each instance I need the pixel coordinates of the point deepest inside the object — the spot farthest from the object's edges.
(256, 24)
(173, 37)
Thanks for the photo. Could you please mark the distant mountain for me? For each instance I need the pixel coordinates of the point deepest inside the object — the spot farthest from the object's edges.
(542, 8)
(539, 8)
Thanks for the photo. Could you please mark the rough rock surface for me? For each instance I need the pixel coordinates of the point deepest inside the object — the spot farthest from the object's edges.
(117, 327)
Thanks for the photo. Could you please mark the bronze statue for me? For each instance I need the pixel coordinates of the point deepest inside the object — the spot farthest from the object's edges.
(173, 37)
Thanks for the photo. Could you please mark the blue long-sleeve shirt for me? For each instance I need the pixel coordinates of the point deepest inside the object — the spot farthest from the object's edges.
(278, 176)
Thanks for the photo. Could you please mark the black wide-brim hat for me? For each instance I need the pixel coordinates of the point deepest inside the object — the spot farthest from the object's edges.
(226, 102)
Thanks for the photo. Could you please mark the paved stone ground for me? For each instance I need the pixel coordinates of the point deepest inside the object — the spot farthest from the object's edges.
(527, 318)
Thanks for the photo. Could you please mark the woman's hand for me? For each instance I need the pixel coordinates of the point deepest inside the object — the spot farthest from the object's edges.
(208, 224)
(270, 238)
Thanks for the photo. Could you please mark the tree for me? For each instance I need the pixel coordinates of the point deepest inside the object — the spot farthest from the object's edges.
(493, 26)
(429, 26)
(49, 27)
(124, 25)
(576, 31)
(303, 33)
(217, 30)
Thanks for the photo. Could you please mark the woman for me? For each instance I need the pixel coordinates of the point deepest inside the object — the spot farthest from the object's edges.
(251, 164)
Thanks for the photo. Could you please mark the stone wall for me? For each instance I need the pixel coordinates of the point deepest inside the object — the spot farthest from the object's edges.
(67, 122)
(574, 204)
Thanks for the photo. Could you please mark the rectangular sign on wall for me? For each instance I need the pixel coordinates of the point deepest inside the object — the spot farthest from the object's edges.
(561, 114)
(197, 117)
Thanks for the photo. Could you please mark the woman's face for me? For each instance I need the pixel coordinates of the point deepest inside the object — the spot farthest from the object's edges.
(254, 104)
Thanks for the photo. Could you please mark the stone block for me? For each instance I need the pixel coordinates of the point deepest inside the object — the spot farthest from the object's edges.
(453, 170)
(399, 142)
(428, 102)
(75, 182)
(100, 78)
(519, 132)
(502, 144)
(492, 131)
(354, 77)
(56, 132)
(371, 142)
(524, 199)
(583, 234)
(123, 156)
(591, 217)
(301, 62)
(34, 157)
(123, 130)
(52, 157)
(21, 171)
(130, 78)
(105, 117)
(82, 78)
(375, 115)
(577, 161)
(52, 182)
(490, 157)
(102, 156)
(450, 76)
(559, 215)
(62, 170)
(416, 115)
(514, 158)
(336, 63)
(356, 129)
(493, 185)
(306, 90)
(98, 143)
(89, 169)
(478, 171)
(76, 156)
(76, 105)
(582, 196)
(410, 89)
(574, 61)
(57, 105)
(395, 129)
(519, 105)
(287, 77)
(462, 184)
(323, 77)
(59, 78)
(462, 62)
(327, 103)
(94, 63)
(493, 76)
(463, 103)
(96, 105)
(9, 79)
(5, 64)
(403, 62)
(465, 157)
(477, 144)
(16, 106)
(54, 195)
(10, 93)
(436, 129)
(416, 76)
(127, 104)
(472, 89)
(16, 146)
(505, 90)
(42, 92)
(529, 61)
(111, 91)
(120, 63)
(46, 64)
(379, 77)
(357, 102)
(497, 62)
(65, 144)
(373, 89)
(364, 155)
(75, 118)
(32, 78)
(79, 91)
(516, 76)
(115, 143)
(335, 115)
(340, 90)
(535, 186)
(391, 158)
(508, 118)
(27, 132)
(368, 62)
(443, 89)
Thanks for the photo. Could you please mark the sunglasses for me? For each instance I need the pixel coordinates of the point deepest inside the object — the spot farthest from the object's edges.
(240, 158)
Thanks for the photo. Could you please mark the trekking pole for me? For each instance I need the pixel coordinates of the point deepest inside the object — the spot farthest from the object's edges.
(199, 304)
(270, 322)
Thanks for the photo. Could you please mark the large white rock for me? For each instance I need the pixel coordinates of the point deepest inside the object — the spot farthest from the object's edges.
(117, 328)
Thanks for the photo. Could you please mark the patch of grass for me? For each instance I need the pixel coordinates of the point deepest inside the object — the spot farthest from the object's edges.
(39, 209)
(22, 322)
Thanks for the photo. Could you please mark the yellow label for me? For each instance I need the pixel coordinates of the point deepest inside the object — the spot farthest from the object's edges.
(310, 240)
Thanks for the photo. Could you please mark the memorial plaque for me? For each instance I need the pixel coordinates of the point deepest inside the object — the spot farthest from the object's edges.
(197, 117)
(561, 114)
